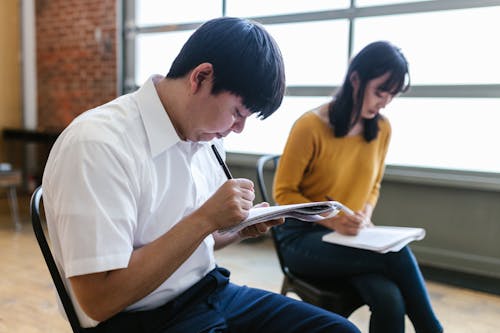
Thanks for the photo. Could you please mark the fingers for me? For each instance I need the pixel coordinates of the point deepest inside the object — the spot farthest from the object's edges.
(352, 231)
(260, 229)
(355, 220)
(262, 204)
(348, 224)
(272, 223)
(251, 231)
(240, 192)
(230, 204)
(243, 189)
(243, 183)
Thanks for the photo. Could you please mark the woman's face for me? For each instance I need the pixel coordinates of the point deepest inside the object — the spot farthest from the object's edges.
(375, 98)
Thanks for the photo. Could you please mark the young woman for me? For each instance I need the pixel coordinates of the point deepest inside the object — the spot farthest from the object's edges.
(337, 151)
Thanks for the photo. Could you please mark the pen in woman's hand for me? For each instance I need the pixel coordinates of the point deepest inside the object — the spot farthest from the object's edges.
(221, 162)
(348, 211)
(343, 208)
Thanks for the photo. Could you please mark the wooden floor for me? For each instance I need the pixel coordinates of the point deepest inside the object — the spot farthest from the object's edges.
(28, 305)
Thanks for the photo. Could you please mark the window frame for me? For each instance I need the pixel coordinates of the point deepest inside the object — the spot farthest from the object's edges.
(421, 175)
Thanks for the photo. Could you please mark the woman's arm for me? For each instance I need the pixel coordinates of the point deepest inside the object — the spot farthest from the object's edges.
(293, 163)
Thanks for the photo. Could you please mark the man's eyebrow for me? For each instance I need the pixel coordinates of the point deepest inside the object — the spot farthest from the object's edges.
(245, 112)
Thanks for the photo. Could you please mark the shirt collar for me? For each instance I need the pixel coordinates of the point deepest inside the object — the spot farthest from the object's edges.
(158, 126)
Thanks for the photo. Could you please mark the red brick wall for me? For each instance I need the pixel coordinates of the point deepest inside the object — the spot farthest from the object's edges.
(76, 58)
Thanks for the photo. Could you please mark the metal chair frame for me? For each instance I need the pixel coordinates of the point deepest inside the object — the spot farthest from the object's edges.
(10, 179)
(69, 309)
(336, 296)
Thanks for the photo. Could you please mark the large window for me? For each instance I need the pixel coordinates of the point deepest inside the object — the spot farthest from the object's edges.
(446, 121)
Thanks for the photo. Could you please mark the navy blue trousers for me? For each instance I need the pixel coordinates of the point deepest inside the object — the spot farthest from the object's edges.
(216, 305)
(391, 284)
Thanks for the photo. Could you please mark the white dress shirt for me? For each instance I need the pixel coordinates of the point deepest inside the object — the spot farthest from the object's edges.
(118, 178)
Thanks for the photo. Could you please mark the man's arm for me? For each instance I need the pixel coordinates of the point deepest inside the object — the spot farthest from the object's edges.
(102, 295)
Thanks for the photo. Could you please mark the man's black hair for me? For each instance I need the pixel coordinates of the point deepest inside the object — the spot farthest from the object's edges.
(246, 60)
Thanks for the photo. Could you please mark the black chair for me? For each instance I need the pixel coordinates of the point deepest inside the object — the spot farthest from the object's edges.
(334, 295)
(51, 264)
(10, 179)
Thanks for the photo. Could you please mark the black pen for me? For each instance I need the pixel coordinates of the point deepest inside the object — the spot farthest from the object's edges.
(222, 164)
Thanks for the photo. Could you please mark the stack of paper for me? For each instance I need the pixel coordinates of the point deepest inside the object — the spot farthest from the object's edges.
(378, 238)
(308, 212)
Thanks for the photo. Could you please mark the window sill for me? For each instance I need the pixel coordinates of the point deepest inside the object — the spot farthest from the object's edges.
(414, 175)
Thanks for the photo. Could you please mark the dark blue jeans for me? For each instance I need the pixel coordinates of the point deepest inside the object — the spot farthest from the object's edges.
(216, 305)
(391, 284)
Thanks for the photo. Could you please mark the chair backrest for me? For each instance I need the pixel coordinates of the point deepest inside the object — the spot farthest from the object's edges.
(336, 296)
(270, 162)
(49, 260)
(262, 163)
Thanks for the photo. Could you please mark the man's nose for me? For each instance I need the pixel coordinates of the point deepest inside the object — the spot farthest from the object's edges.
(238, 125)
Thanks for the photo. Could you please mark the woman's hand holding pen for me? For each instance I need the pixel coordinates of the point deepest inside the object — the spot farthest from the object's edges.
(346, 224)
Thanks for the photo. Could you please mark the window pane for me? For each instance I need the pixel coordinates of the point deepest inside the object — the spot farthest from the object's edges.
(364, 3)
(246, 8)
(155, 53)
(445, 133)
(159, 12)
(269, 136)
(446, 47)
(314, 53)
(436, 133)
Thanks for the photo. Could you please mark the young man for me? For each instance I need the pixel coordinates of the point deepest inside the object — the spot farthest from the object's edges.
(134, 196)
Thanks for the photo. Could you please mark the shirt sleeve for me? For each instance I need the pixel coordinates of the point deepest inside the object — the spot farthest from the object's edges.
(293, 163)
(92, 197)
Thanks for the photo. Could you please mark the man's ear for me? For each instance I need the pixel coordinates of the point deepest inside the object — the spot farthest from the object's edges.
(201, 74)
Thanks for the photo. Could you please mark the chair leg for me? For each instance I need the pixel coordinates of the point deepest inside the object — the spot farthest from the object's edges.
(14, 207)
(285, 288)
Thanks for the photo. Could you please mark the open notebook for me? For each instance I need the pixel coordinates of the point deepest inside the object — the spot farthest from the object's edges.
(378, 238)
(305, 211)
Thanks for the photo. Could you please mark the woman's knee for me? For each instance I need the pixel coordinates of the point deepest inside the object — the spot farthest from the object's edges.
(405, 255)
(381, 294)
(388, 303)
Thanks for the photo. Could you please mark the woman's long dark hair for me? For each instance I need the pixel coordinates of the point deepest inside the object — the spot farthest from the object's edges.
(373, 61)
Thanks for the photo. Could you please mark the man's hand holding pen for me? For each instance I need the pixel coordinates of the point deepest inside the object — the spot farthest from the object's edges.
(236, 197)
(239, 197)
(230, 204)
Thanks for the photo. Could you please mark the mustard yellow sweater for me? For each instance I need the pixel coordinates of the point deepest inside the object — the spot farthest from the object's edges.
(316, 164)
